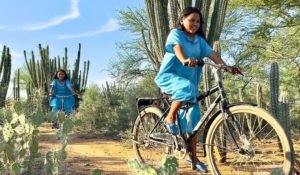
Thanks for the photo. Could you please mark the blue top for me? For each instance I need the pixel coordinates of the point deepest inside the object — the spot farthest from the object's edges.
(174, 78)
(61, 89)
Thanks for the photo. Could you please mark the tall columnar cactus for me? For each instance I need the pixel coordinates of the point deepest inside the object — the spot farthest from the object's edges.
(259, 102)
(157, 15)
(207, 83)
(284, 112)
(42, 71)
(259, 96)
(241, 95)
(274, 89)
(5, 70)
(16, 87)
(207, 75)
(279, 104)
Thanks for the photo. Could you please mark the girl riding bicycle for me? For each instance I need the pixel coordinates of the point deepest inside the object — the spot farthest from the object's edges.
(61, 86)
(179, 74)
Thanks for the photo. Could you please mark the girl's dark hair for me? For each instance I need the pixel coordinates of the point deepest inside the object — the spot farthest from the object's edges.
(61, 70)
(185, 13)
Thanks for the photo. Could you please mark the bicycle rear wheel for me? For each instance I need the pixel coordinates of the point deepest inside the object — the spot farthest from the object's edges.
(264, 146)
(146, 150)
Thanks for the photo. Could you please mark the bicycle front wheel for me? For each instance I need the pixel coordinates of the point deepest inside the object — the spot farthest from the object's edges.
(148, 150)
(263, 145)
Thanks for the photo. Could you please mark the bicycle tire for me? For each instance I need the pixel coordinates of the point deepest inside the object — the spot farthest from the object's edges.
(261, 155)
(145, 150)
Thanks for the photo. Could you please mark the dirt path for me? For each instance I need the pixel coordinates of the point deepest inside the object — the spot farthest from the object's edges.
(87, 152)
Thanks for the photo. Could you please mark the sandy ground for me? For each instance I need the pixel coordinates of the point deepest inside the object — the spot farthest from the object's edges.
(87, 152)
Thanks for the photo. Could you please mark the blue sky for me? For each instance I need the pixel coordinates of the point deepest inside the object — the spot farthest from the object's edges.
(64, 23)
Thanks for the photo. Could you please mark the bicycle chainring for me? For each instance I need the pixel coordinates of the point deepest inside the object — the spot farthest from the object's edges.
(179, 148)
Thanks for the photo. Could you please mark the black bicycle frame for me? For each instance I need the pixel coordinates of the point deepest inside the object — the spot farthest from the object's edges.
(221, 98)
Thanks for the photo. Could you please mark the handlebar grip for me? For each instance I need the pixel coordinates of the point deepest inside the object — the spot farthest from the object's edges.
(200, 63)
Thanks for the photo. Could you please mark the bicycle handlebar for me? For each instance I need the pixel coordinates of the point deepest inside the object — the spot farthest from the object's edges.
(201, 63)
(63, 96)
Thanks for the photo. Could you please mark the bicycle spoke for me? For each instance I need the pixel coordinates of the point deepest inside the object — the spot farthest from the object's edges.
(150, 150)
(260, 148)
(261, 129)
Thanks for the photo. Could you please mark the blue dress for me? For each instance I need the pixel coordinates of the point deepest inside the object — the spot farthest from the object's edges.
(62, 90)
(182, 81)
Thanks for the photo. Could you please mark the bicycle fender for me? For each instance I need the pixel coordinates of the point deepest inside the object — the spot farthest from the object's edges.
(213, 117)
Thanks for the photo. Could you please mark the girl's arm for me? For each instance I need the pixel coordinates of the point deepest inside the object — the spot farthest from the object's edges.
(216, 58)
(180, 55)
(72, 90)
(69, 85)
(51, 91)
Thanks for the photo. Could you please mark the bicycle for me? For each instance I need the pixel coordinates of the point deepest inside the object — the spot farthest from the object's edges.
(236, 139)
(56, 123)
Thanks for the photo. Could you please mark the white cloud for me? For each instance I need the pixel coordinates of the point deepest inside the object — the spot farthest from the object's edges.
(110, 26)
(74, 13)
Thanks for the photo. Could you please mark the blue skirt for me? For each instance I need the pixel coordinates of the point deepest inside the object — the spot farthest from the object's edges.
(182, 90)
(56, 104)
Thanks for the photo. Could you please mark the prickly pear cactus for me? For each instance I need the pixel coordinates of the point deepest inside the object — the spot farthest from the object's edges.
(170, 166)
(21, 147)
(144, 169)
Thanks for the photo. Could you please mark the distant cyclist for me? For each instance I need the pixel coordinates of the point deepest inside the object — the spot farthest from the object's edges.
(61, 87)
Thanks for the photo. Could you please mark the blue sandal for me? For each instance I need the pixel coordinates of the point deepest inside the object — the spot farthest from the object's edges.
(199, 166)
(172, 128)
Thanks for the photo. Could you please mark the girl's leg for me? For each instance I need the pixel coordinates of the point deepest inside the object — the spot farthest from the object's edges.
(192, 150)
(54, 109)
(175, 106)
(196, 164)
(68, 109)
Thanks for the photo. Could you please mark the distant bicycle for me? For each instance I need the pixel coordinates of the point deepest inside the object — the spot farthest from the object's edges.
(237, 139)
(55, 124)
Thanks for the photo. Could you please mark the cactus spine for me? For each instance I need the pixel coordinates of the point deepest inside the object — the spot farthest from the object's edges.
(5, 70)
